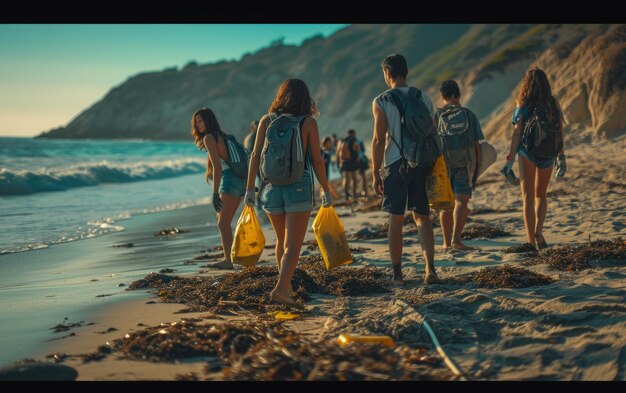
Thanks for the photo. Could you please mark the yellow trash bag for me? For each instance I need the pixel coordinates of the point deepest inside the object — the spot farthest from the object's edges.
(438, 188)
(331, 238)
(249, 241)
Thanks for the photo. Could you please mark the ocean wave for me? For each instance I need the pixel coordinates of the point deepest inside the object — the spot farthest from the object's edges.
(24, 182)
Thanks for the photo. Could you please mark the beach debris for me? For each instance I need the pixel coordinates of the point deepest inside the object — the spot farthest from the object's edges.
(32, 370)
(183, 339)
(152, 280)
(210, 257)
(584, 255)
(249, 288)
(125, 245)
(105, 295)
(62, 327)
(92, 357)
(345, 339)
(344, 280)
(170, 231)
(521, 249)
(360, 250)
(481, 230)
(504, 277)
(151, 302)
(121, 285)
(369, 206)
(109, 330)
(284, 315)
(311, 245)
(167, 270)
(93, 280)
(557, 193)
(266, 350)
(380, 231)
(57, 357)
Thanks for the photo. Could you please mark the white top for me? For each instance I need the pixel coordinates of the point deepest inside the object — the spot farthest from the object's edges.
(386, 104)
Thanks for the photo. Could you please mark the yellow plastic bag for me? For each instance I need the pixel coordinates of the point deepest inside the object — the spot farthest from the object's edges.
(438, 187)
(249, 240)
(331, 238)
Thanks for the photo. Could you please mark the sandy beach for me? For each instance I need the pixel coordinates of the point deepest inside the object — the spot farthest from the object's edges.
(571, 326)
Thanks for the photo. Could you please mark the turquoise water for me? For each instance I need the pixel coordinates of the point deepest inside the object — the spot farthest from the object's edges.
(54, 191)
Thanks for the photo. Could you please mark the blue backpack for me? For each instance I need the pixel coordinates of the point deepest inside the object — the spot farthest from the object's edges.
(419, 143)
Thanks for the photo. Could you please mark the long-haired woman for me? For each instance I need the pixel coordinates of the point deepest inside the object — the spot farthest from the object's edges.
(535, 96)
(289, 206)
(227, 187)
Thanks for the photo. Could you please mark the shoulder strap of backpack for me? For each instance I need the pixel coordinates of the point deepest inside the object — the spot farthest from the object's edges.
(398, 99)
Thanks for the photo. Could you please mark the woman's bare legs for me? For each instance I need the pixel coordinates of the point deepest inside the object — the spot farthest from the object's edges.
(527, 183)
(230, 204)
(295, 229)
(542, 179)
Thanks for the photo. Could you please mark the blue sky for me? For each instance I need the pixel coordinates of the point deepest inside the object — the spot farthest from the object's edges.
(49, 73)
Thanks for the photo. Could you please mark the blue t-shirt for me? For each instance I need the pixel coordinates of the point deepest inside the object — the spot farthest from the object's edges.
(453, 142)
(521, 112)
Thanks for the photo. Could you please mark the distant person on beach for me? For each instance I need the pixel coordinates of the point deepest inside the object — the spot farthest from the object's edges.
(288, 129)
(327, 151)
(228, 188)
(364, 165)
(404, 167)
(538, 137)
(348, 153)
(460, 132)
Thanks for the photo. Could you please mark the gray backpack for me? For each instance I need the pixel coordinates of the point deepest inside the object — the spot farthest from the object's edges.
(282, 158)
(453, 122)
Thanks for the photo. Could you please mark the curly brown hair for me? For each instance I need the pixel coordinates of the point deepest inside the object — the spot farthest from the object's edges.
(293, 97)
(535, 90)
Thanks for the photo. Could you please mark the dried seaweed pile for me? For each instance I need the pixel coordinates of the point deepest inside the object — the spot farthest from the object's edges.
(505, 277)
(267, 351)
(379, 231)
(583, 256)
(299, 359)
(476, 231)
(186, 339)
(344, 280)
(152, 280)
(520, 249)
(170, 231)
(249, 288)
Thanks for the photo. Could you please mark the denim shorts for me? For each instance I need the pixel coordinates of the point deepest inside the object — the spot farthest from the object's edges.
(232, 184)
(291, 198)
(541, 164)
(400, 186)
(459, 181)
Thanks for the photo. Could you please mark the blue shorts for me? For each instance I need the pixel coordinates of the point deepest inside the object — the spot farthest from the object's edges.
(401, 187)
(232, 184)
(459, 181)
(541, 164)
(291, 198)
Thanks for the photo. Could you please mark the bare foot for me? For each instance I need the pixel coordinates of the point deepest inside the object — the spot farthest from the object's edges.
(397, 275)
(222, 265)
(284, 299)
(460, 246)
(446, 248)
(431, 278)
(541, 241)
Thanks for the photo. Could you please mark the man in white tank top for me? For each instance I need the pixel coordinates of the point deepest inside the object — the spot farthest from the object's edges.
(400, 188)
